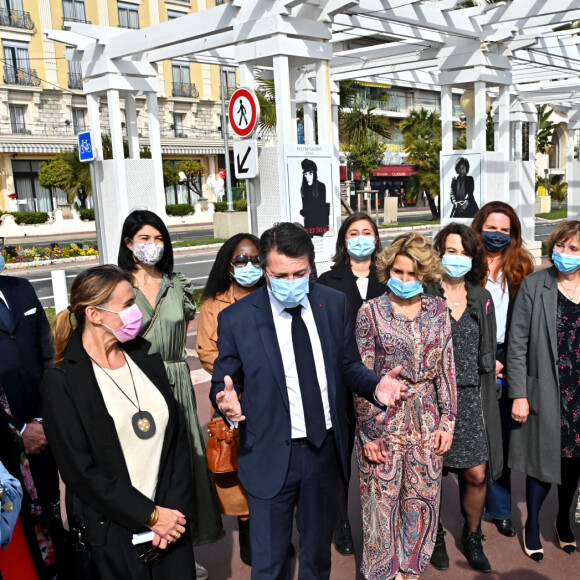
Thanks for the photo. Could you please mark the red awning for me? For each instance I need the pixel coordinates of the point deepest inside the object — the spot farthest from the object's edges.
(384, 171)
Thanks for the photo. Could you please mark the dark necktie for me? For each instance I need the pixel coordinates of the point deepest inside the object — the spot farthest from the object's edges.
(309, 387)
(5, 315)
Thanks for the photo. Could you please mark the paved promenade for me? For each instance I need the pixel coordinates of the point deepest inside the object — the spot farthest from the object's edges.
(506, 555)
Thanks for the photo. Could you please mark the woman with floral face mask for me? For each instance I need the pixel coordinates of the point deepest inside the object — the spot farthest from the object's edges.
(508, 263)
(400, 450)
(477, 438)
(166, 300)
(118, 435)
(235, 273)
(355, 274)
(544, 383)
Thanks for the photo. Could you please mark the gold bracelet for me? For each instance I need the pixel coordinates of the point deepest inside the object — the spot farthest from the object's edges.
(153, 517)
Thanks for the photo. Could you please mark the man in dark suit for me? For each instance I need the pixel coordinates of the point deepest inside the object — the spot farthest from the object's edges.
(286, 352)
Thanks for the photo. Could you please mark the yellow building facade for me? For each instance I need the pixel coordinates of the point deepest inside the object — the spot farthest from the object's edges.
(42, 105)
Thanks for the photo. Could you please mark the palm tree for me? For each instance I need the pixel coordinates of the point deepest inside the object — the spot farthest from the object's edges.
(545, 130)
(358, 126)
(422, 141)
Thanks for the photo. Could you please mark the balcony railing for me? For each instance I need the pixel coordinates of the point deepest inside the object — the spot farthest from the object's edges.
(20, 76)
(185, 90)
(81, 20)
(16, 19)
(20, 128)
(75, 81)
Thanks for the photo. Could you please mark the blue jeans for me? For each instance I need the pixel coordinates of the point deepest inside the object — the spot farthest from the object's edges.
(498, 503)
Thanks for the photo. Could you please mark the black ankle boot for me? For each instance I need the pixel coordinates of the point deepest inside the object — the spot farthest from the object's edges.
(439, 558)
(473, 548)
(245, 552)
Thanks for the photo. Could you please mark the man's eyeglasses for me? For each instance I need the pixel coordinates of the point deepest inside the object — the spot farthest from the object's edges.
(241, 260)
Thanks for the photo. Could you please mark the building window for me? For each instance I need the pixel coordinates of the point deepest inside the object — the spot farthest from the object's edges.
(17, 69)
(12, 14)
(78, 116)
(17, 122)
(128, 15)
(230, 80)
(75, 75)
(29, 191)
(173, 14)
(178, 125)
(74, 11)
(182, 86)
(219, 2)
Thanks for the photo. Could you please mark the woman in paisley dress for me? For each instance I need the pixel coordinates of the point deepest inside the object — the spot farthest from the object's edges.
(544, 383)
(166, 300)
(400, 449)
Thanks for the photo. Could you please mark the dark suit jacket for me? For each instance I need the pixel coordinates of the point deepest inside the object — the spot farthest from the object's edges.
(250, 355)
(84, 441)
(26, 350)
(341, 278)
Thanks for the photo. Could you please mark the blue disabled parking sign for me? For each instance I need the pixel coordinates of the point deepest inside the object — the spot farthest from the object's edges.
(86, 151)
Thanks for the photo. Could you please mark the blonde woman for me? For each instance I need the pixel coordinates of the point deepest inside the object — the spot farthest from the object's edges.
(400, 450)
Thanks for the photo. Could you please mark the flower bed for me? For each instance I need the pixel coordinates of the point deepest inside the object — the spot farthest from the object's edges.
(18, 254)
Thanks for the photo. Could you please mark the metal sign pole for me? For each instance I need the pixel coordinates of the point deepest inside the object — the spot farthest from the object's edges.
(225, 126)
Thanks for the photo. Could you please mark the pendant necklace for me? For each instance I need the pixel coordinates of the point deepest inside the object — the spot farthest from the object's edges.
(567, 292)
(456, 304)
(142, 421)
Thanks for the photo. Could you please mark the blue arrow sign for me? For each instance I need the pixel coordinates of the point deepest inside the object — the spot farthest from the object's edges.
(86, 151)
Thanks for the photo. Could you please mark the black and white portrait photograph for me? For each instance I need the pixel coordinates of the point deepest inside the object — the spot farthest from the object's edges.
(461, 184)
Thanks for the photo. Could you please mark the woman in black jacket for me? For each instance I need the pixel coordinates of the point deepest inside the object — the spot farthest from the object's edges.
(353, 273)
(477, 438)
(117, 434)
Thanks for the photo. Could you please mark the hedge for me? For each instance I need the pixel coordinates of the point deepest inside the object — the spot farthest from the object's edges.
(29, 217)
(240, 205)
(87, 214)
(179, 209)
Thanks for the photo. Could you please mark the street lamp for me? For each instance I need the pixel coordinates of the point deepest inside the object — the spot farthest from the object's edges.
(546, 171)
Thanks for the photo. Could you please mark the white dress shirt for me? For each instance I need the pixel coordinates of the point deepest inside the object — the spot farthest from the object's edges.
(283, 325)
(501, 301)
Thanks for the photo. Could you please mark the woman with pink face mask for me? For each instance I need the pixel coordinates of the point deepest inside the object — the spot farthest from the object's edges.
(118, 436)
(166, 299)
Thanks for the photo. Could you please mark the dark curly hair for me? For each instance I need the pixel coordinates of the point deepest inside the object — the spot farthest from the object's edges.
(219, 279)
(472, 246)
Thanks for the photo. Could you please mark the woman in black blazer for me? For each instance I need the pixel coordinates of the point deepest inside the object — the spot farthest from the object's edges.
(117, 434)
(353, 273)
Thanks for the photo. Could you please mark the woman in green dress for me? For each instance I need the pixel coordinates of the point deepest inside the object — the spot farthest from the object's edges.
(166, 300)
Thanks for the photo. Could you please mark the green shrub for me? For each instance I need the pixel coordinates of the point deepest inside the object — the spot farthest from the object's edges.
(179, 209)
(240, 205)
(238, 193)
(87, 214)
(30, 217)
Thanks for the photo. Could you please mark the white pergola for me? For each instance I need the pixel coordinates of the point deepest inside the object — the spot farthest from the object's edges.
(306, 45)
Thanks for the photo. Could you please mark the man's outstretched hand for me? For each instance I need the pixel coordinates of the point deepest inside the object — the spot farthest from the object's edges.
(390, 391)
(228, 401)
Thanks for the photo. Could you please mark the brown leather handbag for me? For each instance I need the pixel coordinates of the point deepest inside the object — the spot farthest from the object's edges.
(223, 446)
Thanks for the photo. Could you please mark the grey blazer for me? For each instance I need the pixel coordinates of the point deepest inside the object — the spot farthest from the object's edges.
(535, 447)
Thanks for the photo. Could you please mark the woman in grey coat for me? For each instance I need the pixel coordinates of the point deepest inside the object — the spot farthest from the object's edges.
(544, 383)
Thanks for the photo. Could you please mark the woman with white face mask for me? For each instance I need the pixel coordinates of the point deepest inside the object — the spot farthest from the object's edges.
(477, 439)
(544, 384)
(400, 450)
(166, 300)
(355, 274)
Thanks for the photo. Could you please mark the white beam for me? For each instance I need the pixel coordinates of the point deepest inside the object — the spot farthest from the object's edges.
(190, 47)
(520, 10)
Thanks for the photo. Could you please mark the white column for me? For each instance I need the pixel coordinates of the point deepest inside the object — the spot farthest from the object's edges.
(479, 128)
(446, 118)
(503, 141)
(155, 146)
(309, 137)
(131, 124)
(285, 132)
(323, 103)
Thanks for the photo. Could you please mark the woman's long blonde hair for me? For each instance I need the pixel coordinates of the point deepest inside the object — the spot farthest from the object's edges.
(92, 287)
